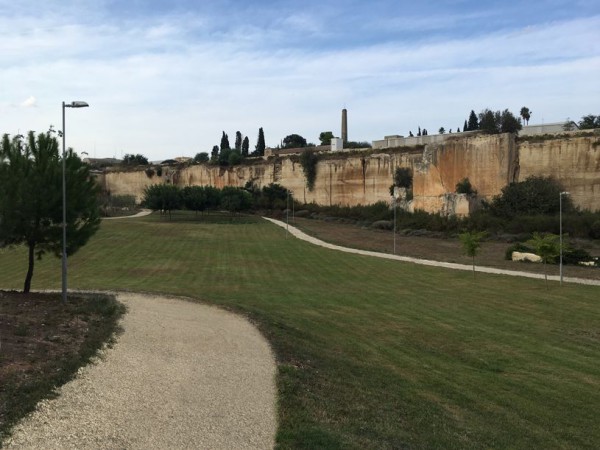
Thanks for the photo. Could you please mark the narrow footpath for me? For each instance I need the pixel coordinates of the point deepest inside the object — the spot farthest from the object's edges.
(426, 262)
(182, 375)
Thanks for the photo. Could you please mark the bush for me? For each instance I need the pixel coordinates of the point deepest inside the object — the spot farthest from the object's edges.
(575, 255)
(403, 177)
(464, 187)
(308, 161)
(595, 230)
(383, 225)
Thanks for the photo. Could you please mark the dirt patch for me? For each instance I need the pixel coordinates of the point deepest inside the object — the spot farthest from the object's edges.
(43, 341)
(491, 253)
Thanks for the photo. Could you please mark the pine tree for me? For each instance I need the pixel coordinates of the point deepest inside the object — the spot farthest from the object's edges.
(260, 143)
(238, 141)
(419, 132)
(473, 122)
(465, 126)
(245, 147)
(225, 142)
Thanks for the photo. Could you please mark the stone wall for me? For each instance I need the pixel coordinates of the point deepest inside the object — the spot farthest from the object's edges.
(490, 163)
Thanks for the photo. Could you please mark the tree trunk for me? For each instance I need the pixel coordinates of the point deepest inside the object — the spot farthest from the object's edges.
(29, 276)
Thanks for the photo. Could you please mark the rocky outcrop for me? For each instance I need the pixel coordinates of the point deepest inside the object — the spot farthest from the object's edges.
(490, 163)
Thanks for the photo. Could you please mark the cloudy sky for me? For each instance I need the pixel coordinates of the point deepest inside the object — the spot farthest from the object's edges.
(165, 78)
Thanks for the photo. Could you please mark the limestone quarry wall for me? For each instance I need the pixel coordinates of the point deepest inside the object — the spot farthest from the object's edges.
(490, 163)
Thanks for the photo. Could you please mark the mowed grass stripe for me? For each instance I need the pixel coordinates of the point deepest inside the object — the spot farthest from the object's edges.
(373, 353)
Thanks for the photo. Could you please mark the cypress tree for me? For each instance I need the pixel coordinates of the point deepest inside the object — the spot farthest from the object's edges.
(260, 143)
(238, 141)
(225, 142)
(245, 146)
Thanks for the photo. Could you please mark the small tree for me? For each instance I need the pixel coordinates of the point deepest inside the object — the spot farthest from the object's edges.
(260, 143)
(442, 130)
(194, 198)
(135, 160)
(162, 197)
(325, 137)
(214, 154)
(201, 158)
(473, 124)
(471, 242)
(294, 141)
(465, 126)
(403, 177)
(245, 147)
(238, 141)
(225, 142)
(588, 122)
(31, 198)
(525, 114)
(546, 246)
(464, 187)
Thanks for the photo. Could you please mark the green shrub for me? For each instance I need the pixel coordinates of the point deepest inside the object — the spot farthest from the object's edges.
(464, 187)
(308, 161)
(595, 230)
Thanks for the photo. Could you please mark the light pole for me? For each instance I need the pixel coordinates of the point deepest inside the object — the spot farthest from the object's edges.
(76, 104)
(395, 197)
(560, 262)
(287, 214)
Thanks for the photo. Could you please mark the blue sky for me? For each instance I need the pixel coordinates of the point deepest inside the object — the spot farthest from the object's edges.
(166, 78)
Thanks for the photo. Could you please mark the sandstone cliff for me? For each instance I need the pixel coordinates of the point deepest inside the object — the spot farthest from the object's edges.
(490, 162)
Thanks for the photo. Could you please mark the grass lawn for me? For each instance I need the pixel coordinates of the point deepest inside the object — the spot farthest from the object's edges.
(372, 353)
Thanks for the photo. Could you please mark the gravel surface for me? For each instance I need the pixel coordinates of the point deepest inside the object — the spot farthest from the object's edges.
(182, 375)
(425, 262)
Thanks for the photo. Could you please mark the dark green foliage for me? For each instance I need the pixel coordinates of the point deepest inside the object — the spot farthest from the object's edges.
(194, 198)
(238, 141)
(473, 124)
(573, 255)
(213, 197)
(464, 187)
(595, 230)
(245, 147)
(201, 158)
(224, 156)
(273, 196)
(546, 246)
(367, 213)
(135, 160)
(31, 198)
(308, 161)
(162, 197)
(588, 122)
(471, 242)
(214, 154)
(294, 141)
(403, 177)
(491, 122)
(325, 137)
(442, 130)
(465, 126)
(357, 144)
(535, 195)
(224, 142)
(235, 200)
(260, 144)
(525, 114)
(235, 157)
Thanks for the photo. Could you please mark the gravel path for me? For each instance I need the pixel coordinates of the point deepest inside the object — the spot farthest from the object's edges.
(182, 375)
(426, 262)
(142, 213)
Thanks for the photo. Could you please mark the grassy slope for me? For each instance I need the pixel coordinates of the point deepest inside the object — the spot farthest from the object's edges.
(373, 353)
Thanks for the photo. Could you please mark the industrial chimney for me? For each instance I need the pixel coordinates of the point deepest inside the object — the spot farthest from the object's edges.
(344, 125)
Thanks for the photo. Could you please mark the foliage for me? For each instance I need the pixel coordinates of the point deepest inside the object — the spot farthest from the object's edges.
(308, 161)
(135, 160)
(525, 113)
(403, 177)
(31, 207)
(149, 172)
(194, 198)
(259, 149)
(588, 122)
(499, 122)
(546, 246)
(535, 195)
(162, 197)
(238, 141)
(473, 123)
(235, 200)
(595, 230)
(234, 158)
(245, 147)
(464, 187)
(294, 141)
(214, 154)
(357, 144)
(471, 242)
(201, 157)
(273, 196)
(442, 130)
(325, 137)
(224, 142)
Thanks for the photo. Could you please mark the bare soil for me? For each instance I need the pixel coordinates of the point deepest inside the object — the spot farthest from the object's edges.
(491, 253)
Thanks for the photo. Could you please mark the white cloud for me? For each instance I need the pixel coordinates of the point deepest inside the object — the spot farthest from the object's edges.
(29, 102)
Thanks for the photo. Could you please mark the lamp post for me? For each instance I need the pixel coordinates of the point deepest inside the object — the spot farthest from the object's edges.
(395, 197)
(560, 262)
(75, 104)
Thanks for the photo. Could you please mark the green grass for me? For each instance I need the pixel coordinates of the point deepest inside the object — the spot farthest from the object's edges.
(372, 353)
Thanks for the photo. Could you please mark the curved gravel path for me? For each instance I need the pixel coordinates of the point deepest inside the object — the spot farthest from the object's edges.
(142, 213)
(425, 262)
(182, 375)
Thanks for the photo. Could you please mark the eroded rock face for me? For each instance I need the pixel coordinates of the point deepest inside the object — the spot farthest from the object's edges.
(490, 163)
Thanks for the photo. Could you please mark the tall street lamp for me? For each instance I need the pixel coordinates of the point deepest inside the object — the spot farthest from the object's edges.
(560, 262)
(75, 104)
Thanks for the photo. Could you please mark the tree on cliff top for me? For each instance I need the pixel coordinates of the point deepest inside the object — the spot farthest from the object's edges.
(325, 137)
(245, 147)
(135, 160)
(260, 144)
(588, 122)
(525, 114)
(31, 198)
(238, 141)
(294, 141)
(225, 142)
(473, 124)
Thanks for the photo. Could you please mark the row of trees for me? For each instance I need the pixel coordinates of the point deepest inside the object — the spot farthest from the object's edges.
(168, 197)
(31, 197)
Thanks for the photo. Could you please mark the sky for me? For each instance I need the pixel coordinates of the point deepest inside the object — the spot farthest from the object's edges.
(166, 78)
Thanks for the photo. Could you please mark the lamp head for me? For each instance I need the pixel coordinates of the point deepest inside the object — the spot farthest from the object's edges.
(77, 104)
